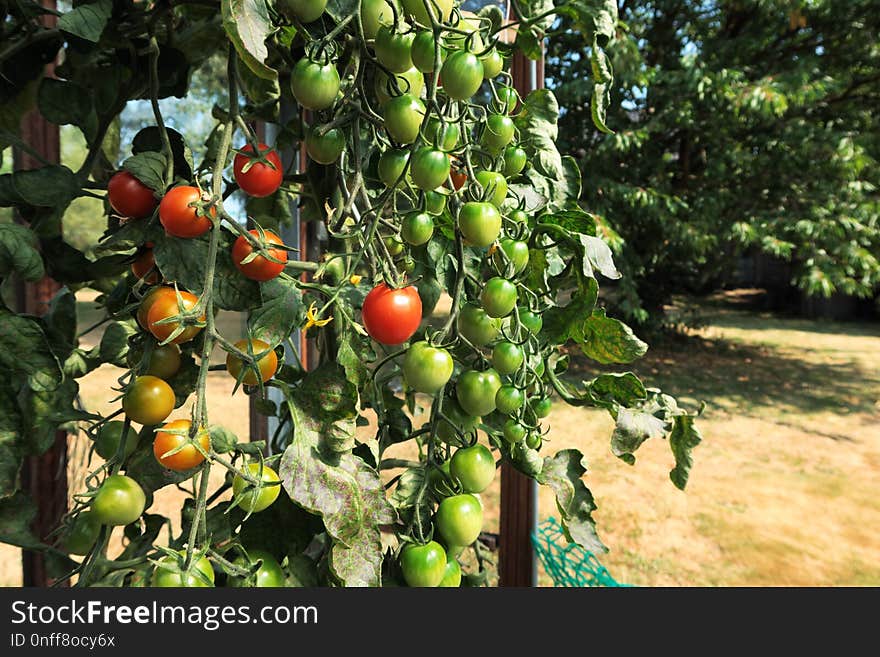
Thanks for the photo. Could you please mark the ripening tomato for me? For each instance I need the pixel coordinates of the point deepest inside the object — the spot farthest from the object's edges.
(109, 436)
(495, 186)
(255, 177)
(459, 178)
(129, 197)
(452, 574)
(167, 305)
(423, 51)
(392, 164)
(498, 297)
(474, 467)
(423, 565)
(417, 228)
(268, 575)
(476, 391)
(314, 85)
(403, 118)
(147, 301)
(82, 534)
(476, 326)
(267, 364)
(430, 168)
(119, 501)
(255, 499)
(144, 267)
(164, 361)
(200, 575)
(394, 49)
(427, 368)
(260, 268)
(462, 75)
(307, 11)
(460, 519)
(180, 217)
(507, 357)
(392, 316)
(479, 222)
(175, 436)
(149, 400)
(517, 254)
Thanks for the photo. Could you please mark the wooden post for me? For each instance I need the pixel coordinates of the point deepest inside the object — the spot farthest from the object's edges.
(43, 477)
(519, 499)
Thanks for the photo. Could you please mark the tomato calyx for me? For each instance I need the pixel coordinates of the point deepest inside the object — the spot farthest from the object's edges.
(256, 154)
(262, 248)
(184, 318)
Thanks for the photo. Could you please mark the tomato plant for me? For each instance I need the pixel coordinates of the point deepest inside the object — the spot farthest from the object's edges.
(460, 270)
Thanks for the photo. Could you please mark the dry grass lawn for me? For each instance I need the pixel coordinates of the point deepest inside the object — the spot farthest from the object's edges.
(784, 490)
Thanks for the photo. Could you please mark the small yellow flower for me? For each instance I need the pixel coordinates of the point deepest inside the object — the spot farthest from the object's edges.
(312, 318)
(354, 279)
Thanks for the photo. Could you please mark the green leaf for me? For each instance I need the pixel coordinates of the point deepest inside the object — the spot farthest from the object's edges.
(51, 186)
(114, 342)
(573, 220)
(574, 500)
(11, 451)
(60, 324)
(617, 389)
(44, 409)
(16, 515)
(354, 351)
(341, 488)
(149, 139)
(248, 25)
(684, 437)
(597, 257)
(149, 168)
(263, 93)
(222, 439)
(87, 21)
(67, 103)
(280, 313)
(24, 349)
(562, 323)
(634, 427)
(538, 132)
(339, 9)
(599, 102)
(607, 340)
(18, 253)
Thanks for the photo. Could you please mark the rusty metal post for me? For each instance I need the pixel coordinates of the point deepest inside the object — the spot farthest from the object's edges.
(519, 498)
(43, 477)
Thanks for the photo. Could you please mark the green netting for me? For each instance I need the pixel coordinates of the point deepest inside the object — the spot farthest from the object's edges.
(568, 564)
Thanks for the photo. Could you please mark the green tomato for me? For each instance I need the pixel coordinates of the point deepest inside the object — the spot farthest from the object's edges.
(410, 82)
(430, 168)
(495, 185)
(534, 440)
(462, 75)
(541, 407)
(513, 431)
(403, 118)
(164, 361)
(109, 435)
(268, 575)
(119, 501)
(442, 10)
(498, 297)
(476, 326)
(476, 391)
(498, 132)
(392, 164)
(508, 99)
(459, 519)
(254, 499)
(427, 368)
(493, 64)
(517, 254)
(452, 574)
(435, 203)
(507, 357)
(394, 49)
(515, 159)
(82, 534)
(509, 399)
(173, 577)
(374, 14)
(458, 420)
(423, 565)
(314, 85)
(417, 228)
(423, 51)
(394, 246)
(531, 321)
(326, 148)
(479, 222)
(442, 135)
(474, 467)
(307, 11)
(519, 216)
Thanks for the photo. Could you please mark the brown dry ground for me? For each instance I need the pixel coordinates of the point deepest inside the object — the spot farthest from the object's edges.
(785, 488)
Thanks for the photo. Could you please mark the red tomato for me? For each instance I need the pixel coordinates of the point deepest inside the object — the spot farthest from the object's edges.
(392, 316)
(129, 196)
(145, 265)
(179, 217)
(254, 177)
(260, 268)
(458, 178)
